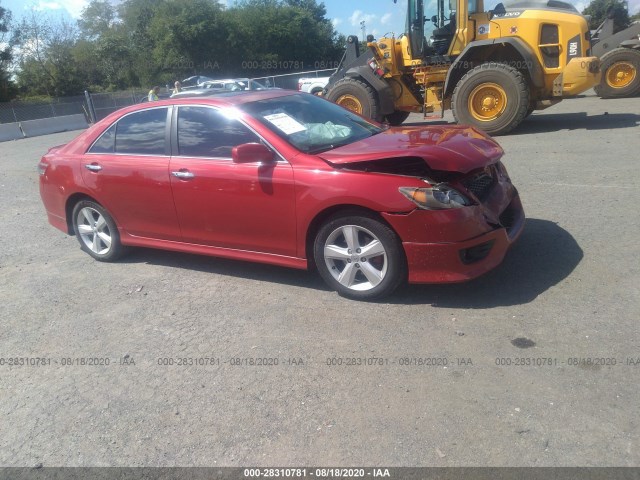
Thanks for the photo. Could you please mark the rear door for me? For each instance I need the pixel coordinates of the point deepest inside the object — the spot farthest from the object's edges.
(127, 171)
(247, 206)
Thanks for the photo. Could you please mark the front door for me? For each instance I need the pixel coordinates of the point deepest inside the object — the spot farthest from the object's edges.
(249, 206)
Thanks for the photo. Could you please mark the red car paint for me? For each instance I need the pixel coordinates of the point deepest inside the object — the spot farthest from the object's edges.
(269, 212)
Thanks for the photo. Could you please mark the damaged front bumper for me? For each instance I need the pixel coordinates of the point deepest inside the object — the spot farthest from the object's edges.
(456, 245)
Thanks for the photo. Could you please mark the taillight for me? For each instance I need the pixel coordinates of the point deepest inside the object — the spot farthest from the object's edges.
(379, 71)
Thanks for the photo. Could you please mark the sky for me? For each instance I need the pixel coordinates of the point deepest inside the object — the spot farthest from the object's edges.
(380, 16)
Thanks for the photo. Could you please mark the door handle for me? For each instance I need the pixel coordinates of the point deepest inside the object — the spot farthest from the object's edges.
(94, 167)
(183, 174)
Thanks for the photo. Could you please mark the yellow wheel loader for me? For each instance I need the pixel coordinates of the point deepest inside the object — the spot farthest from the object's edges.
(620, 57)
(492, 69)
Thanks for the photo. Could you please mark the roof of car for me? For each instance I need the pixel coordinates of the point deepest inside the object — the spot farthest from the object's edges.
(228, 97)
(222, 99)
(199, 92)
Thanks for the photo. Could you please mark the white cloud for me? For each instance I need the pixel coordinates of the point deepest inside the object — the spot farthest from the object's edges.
(73, 7)
(336, 21)
(581, 5)
(43, 5)
(385, 18)
(358, 16)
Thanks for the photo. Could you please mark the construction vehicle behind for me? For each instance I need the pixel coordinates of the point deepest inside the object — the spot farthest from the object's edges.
(620, 59)
(492, 69)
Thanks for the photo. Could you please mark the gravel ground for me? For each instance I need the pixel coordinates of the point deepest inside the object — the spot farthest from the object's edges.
(568, 289)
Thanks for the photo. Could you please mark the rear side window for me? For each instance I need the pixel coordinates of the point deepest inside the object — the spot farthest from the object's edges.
(140, 133)
(205, 132)
(106, 143)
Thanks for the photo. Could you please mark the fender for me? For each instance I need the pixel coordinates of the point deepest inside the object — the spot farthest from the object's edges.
(382, 88)
(633, 44)
(533, 66)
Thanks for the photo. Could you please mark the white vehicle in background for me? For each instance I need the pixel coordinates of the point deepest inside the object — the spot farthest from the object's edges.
(314, 85)
(228, 84)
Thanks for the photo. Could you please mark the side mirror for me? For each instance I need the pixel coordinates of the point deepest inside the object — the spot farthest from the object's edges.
(434, 19)
(251, 153)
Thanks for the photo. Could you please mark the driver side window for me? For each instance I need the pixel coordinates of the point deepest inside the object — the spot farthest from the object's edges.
(205, 132)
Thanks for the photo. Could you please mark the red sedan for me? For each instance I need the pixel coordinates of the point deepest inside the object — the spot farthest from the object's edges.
(289, 179)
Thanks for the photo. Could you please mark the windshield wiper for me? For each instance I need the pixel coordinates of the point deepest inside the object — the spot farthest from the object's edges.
(332, 146)
(313, 151)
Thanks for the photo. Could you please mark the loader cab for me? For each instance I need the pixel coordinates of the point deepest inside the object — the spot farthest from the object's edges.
(443, 27)
(432, 33)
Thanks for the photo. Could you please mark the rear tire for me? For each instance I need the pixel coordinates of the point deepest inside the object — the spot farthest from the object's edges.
(359, 256)
(396, 118)
(620, 74)
(96, 231)
(493, 97)
(357, 96)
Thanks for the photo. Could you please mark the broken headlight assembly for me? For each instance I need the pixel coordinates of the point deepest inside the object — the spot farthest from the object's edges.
(437, 197)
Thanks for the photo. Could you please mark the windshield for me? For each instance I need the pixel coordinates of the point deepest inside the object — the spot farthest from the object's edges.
(309, 123)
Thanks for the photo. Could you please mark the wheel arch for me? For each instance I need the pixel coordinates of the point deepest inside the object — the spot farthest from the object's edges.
(632, 44)
(501, 50)
(71, 202)
(318, 220)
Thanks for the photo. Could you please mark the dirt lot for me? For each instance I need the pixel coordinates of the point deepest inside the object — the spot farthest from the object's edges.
(438, 378)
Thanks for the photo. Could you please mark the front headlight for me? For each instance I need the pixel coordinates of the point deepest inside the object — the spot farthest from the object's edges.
(438, 197)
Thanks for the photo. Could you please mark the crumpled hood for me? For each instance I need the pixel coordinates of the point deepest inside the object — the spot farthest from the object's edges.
(445, 148)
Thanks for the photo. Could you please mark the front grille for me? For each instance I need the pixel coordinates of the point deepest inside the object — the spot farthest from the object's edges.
(480, 184)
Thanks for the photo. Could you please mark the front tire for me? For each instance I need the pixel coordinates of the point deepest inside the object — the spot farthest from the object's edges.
(620, 74)
(96, 231)
(359, 256)
(357, 96)
(493, 97)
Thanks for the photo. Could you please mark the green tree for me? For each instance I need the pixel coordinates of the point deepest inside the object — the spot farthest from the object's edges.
(189, 38)
(601, 9)
(7, 88)
(140, 43)
(46, 63)
(96, 19)
(282, 36)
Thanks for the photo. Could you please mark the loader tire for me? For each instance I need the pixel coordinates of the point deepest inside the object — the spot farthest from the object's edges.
(357, 96)
(620, 74)
(493, 97)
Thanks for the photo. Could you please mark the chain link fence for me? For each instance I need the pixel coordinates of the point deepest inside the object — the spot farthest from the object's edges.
(20, 111)
(104, 104)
